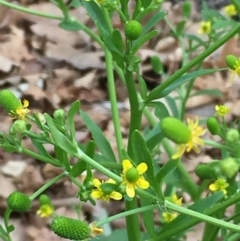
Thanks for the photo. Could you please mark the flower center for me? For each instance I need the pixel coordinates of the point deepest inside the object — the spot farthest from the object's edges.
(132, 175)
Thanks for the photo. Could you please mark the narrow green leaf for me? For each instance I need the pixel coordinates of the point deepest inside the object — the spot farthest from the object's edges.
(59, 138)
(213, 92)
(62, 156)
(74, 109)
(156, 64)
(139, 42)
(160, 110)
(173, 105)
(117, 39)
(98, 136)
(78, 168)
(70, 25)
(160, 92)
(154, 137)
(40, 148)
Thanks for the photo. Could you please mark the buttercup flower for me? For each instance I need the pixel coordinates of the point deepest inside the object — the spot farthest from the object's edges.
(205, 27)
(21, 111)
(194, 141)
(219, 185)
(174, 199)
(45, 211)
(221, 110)
(169, 217)
(102, 191)
(132, 177)
(230, 10)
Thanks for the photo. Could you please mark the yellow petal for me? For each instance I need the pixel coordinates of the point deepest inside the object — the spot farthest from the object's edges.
(213, 187)
(130, 190)
(180, 151)
(126, 164)
(96, 194)
(116, 195)
(142, 167)
(142, 183)
(96, 183)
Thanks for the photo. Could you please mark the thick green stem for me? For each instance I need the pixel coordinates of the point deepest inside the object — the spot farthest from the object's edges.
(113, 100)
(6, 223)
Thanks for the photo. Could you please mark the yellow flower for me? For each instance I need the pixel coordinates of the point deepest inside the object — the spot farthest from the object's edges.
(230, 10)
(235, 69)
(219, 185)
(103, 192)
(132, 177)
(221, 110)
(168, 217)
(205, 27)
(21, 111)
(45, 211)
(95, 231)
(174, 199)
(194, 141)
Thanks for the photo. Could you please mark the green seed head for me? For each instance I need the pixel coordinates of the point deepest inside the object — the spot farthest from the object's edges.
(232, 61)
(205, 171)
(175, 130)
(9, 101)
(133, 30)
(19, 202)
(229, 167)
(213, 126)
(132, 175)
(69, 228)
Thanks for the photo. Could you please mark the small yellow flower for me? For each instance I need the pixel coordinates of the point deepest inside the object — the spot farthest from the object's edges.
(132, 177)
(194, 141)
(174, 199)
(221, 110)
(169, 217)
(21, 111)
(103, 193)
(95, 231)
(205, 27)
(230, 10)
(219, 185)
(45, 211)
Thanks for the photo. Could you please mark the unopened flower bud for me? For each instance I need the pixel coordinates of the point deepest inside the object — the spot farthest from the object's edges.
(18, 127)
(229, 167)
(232, 61)
(232, 135)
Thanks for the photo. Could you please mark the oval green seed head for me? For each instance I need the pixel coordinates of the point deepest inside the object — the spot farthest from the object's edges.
(133, 30)
(175, 130)
(9, 101)
(19, 202)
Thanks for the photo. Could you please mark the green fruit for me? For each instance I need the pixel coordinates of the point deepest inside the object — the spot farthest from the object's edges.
(9, 101)
(19, 202)
(175, 130)
(213, 126)
(133, 30)
(69, 228)
(232, 135)
(232, 61)
(205, 171)
(19, 126)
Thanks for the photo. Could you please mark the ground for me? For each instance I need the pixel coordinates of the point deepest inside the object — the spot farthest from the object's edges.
(52, 68)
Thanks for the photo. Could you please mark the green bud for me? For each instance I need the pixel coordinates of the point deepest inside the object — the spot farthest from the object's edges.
(229, 167)
(231, 61)
(69, 228)
(187, 7)
(232, 135)
(45, 199)
(59, 114)
(133, 30)
(205, 171)
(9, 101)
(19, 202)
(213, 126)
(175, 130)
(18, 127)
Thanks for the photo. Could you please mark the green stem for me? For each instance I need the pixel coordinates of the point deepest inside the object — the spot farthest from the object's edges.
(203, 217)
(236, 3)
(113, 100)
(29, 10)
(47, 185)
(133, 228)
(217, 145)
(40, 157)
(127, 213)
(64, 8)
(6, 217)
(155, 92)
